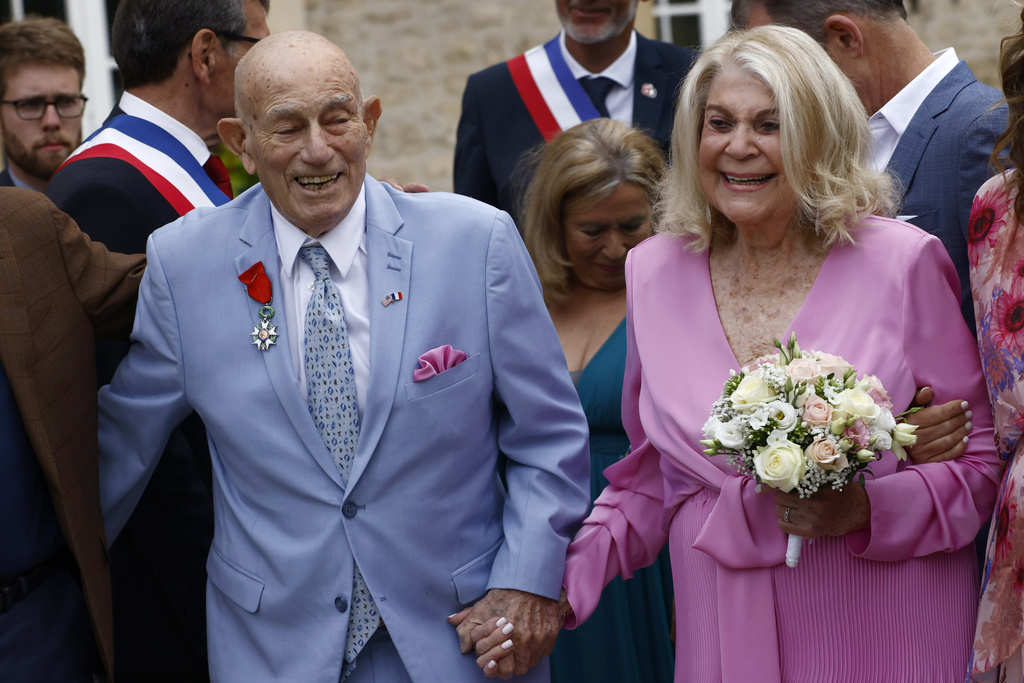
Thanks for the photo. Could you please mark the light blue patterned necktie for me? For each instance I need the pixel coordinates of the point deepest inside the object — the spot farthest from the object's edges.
(331, 388)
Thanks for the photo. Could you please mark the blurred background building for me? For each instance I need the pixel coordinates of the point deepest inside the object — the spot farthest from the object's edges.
(416, 54)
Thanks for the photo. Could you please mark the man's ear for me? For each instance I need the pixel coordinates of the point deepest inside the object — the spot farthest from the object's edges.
(233, 135)
(204, 54)
(843, 37)
(371, 114)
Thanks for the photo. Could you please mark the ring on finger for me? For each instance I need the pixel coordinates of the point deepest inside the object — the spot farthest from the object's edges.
(785, 516)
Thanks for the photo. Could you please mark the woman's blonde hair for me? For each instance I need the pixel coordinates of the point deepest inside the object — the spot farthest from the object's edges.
(580, 167)
(824, 139)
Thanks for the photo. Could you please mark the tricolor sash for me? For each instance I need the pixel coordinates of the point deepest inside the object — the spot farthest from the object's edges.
(556, 101)
(159, 156)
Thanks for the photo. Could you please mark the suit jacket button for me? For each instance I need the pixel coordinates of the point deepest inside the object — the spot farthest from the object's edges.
(349, 509)
(341, 604)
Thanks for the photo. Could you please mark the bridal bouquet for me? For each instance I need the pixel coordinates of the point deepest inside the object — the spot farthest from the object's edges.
(802, 420)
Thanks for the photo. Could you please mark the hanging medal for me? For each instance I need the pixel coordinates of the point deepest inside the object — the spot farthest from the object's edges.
(257, 284)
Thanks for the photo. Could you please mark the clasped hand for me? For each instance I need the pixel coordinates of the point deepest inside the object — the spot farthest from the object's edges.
(509, 630)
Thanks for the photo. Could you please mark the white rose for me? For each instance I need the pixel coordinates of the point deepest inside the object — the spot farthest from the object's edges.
(858, 403)
(885, 421)
(784, 414)
(826, 453)
(780, 465)
(731, 435)
(751, 392)
(711, 427)
(882, 440)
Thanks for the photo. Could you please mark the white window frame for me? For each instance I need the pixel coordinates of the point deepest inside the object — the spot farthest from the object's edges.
(713, 16)
(88, 21)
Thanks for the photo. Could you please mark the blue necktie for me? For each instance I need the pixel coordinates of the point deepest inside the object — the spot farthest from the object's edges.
(331, 389)
(597, 89)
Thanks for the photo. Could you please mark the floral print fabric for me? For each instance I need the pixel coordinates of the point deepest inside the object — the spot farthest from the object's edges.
(996, 251)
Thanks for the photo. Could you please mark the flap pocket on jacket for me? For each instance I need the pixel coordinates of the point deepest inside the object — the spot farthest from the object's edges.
(471, 578)
(243, 589)
(415, 390)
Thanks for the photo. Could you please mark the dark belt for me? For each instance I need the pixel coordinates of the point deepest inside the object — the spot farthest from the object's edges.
(20, 586)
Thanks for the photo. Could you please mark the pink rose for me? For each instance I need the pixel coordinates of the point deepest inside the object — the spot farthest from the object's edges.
(827, 455)
(817, 411)
(859, 433)
(833, 365)
(803, 369)
(877, 392)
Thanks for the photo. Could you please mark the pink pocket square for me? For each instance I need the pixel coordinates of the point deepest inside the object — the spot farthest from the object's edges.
(436, 361)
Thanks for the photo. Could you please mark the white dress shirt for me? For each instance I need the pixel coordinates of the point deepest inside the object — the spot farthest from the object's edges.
(620, 98)
(130, 104)
(346, 246)
(890, 122)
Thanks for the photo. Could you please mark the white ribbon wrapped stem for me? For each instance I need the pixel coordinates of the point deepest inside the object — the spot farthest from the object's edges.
(793, 545)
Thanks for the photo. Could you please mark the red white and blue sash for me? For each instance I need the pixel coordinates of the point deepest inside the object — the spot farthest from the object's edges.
(554, 98)
(159, 156)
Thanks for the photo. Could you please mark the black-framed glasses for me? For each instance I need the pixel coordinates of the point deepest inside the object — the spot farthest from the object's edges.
(33, 108)
(237, 36)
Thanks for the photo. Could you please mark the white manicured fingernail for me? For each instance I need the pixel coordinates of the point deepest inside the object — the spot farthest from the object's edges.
(501, 622)
(968, 414)
(968, 425)
(965, 439)
(508, 629)
(964, 405)
(452, 615)
(491, 664)
(507, 645)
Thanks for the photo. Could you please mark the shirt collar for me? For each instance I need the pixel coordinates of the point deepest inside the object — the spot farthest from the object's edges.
(900, 110)
(621, 70)
(341, 242)
(135, 106)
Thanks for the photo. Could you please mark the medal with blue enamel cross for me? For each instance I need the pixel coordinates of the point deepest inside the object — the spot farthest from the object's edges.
(257, 284)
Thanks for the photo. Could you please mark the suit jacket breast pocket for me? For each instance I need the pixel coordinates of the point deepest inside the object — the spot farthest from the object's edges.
(450, 377)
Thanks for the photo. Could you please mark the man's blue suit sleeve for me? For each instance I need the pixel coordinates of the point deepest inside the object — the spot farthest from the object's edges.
(541, 426)
(143, 403)
(974, 167)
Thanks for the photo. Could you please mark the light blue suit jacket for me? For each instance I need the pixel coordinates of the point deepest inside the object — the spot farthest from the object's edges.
(942, 160)
(424, 513)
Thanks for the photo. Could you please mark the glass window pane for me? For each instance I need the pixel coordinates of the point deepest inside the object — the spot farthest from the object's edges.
(46, 8)
(686, 31)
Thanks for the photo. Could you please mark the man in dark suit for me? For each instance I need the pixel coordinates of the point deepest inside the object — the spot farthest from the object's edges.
(41, 103)
(146, 166)
(58, 290)
(933, 124)
(597, 66)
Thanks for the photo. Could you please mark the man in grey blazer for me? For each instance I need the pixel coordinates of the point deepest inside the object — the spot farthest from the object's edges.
(361, 358)
(934, 125)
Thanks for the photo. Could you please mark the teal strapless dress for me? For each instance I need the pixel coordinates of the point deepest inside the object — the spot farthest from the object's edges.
(627, 639)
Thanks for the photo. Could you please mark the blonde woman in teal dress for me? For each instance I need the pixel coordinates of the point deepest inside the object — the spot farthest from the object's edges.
(588, 204)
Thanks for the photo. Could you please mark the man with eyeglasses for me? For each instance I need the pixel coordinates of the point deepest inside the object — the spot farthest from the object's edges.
(149, 164)
(41, 103)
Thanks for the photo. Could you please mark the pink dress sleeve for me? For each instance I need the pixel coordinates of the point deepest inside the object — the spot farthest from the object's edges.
(937, 506)
(625, 531)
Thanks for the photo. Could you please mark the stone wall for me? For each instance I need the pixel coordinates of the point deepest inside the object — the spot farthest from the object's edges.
(416, 55)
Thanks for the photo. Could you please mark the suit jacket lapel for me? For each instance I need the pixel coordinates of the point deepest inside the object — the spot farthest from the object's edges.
(389, 260)
(649, 112)
(907, 155)
(259, 244)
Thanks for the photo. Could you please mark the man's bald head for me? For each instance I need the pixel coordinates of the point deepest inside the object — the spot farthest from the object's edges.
(303, 127)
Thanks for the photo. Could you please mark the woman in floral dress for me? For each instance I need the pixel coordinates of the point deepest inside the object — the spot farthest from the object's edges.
(996, 248)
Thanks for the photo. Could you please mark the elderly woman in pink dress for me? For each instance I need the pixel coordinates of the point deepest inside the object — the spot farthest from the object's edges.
(770, 224)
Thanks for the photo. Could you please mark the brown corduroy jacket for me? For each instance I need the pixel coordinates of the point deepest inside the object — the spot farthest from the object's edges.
(58, 291)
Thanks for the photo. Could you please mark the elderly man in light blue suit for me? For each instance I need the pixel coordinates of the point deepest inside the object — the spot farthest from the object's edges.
(361, 359)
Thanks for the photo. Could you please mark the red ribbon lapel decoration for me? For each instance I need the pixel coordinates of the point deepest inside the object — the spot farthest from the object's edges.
(257, 284)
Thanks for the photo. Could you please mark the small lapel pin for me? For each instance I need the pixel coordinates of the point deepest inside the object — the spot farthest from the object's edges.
(648, 90)
(391, 298)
